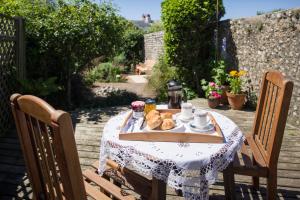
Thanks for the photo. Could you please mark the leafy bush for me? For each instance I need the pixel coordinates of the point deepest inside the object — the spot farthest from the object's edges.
(155, 27)
(188, 36)
(119, 59)
(39, 87)
(161, 74)
(188, 93)
(105, 72)
(133, 44)
(62, 37)
(219, 72)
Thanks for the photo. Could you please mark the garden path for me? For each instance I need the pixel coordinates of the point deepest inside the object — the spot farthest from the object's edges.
(137, 79)
(137, 84)
(88, 126)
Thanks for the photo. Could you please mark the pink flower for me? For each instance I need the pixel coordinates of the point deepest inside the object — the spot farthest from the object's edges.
(212, 84)
(218, 96)
(215, 95)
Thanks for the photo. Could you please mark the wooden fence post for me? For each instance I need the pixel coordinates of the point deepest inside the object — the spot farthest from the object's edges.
(20, 47)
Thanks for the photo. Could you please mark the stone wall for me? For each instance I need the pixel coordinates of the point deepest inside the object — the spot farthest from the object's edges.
(270, 41)
(256, 44)
(153, 45)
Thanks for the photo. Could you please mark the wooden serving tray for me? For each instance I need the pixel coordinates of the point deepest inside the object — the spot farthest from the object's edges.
(163, 136)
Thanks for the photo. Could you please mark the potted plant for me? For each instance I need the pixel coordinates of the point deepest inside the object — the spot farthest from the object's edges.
(236, 97)
(220, 78)
(212, 93)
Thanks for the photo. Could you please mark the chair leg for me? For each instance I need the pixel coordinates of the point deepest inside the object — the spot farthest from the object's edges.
(229, 185)
(272, 187)
(159, 188)
(255, 179)
(255, 182)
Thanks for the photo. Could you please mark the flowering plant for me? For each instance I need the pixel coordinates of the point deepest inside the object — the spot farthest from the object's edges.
(235, 81)
(219, 72)
(212, 90)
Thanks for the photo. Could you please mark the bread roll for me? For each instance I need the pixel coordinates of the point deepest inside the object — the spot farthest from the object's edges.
(167, 124)
(166, 115)
(151, 114)
(154, 122)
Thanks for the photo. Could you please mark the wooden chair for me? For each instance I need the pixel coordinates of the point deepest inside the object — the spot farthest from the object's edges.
(261, 149)
(145, 68)
(47, 141)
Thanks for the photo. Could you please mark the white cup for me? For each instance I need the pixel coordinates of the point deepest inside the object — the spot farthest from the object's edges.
(186, 110)
(201, 119)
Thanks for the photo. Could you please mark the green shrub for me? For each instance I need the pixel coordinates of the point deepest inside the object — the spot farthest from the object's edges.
(188, 38)
(188, 93)
(219, 72)
(105, 72)
(161, 74)
(119, 59)
(62, 37)
(39, 87)
(133, 44)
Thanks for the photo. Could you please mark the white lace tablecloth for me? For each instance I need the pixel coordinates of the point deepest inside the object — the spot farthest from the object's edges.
(191, 167)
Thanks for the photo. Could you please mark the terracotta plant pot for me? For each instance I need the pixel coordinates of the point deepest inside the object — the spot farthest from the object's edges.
(213, 103)
(236, 101)
(224, 99)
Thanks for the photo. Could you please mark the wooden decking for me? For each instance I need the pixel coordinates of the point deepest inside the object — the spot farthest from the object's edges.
(88, 130)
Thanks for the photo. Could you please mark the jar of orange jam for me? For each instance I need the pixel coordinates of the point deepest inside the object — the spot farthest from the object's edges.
(150, 104)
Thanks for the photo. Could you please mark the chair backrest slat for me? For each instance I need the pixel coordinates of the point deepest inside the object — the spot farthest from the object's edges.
(36, 136)
(264, 113)
(271, 115)
(48, 144)
(51, 160)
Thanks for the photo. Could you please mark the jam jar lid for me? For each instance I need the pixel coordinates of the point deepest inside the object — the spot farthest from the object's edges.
(137, 105)
(150, 101)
